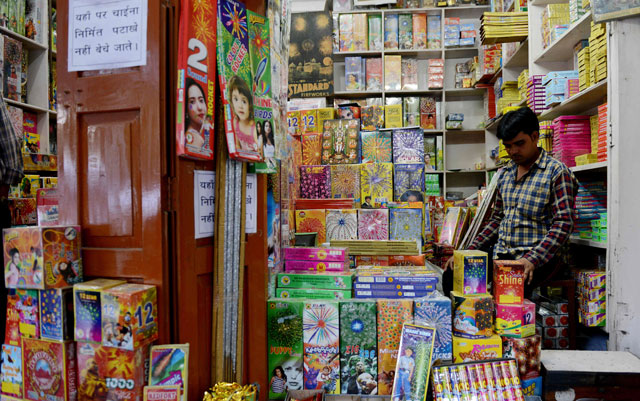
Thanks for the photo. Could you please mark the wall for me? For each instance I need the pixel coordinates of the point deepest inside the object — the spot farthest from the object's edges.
(301, 6)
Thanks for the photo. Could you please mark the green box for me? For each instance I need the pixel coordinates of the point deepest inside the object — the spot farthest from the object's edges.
(358, 347)
(324, 281)
(284, 339)
(311, 293)
(405, 31)
(595, 237)
(595, 223)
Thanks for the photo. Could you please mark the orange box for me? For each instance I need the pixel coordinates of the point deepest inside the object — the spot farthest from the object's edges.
(49, 370)
(311, 149)
(312, 221)
(419, 31)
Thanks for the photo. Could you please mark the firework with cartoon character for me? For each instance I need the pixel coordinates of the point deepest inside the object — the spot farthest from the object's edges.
(87, 307)
(320, 333)
(49, 370)
(414, 363)
(56, 314)
(358, 347)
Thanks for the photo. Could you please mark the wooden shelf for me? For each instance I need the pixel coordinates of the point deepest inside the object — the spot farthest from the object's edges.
(520, 58)
(588, 242)
(466, 171)
(341, 55)
(409, 92)
(432, 131)
(465, 91)
(593, 167)
(357, 12)
(418, 53)
(562, 48)
(357, 94)
(26, 106)
(578, 103)
(26, 42)
(465, 131)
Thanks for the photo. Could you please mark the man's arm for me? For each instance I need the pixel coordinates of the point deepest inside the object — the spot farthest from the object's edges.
(489, 234)
(563, 211)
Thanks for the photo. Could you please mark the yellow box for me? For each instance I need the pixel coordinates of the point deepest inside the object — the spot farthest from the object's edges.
(323, 115)
(308, 122)
(472, 350)
(470, 272)
(393, 116)
(293, 121)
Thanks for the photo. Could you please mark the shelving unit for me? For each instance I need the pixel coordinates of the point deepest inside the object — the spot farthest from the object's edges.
(588, 242)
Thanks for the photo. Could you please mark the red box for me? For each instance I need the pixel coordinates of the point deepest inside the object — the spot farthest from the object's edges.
(122, 372)
(49, 370)
(547, 318)
(508, 282)
(556, 332)
(526, 352)
(23, 211)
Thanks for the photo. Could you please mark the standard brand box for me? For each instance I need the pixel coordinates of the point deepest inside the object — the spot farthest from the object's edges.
(321, 254)
(327, 281)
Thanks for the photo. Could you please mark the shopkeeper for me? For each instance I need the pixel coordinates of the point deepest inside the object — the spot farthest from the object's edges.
(534, 209)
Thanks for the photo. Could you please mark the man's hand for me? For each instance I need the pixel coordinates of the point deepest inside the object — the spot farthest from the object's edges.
(449, 264)
(528, 270)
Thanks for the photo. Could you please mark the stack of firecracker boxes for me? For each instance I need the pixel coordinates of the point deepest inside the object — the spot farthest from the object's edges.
(592, 298)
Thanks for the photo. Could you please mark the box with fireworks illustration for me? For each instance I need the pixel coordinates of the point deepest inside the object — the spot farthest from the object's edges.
(313, 266)
(472, 315)
(408, 145)
(508, 282)
(322, 254)
(425, 279)
(309, 119)
(315, 182)
(327, 281)
(476, 349)
(435, 311)
(516, 320)
(11, 374)
(392, 314)
(358, 347)
(129, 316)
(397, 287)
(391, 294)
(42, 257)
(345, 182)
(321, 337)
(56, 314)
(123, 371)
(406, 224)
(312, 293)
(470, 272)
(22, 316)
(376, 147)
(285, 348)
(87, 307)
(376, 184)
(340, 139)
(23, 211)
(311, 149)
(342, 224)
(312, 221)
(408, 182)
(49, 370)
(527, 352)
(372, 116)
(411, 380)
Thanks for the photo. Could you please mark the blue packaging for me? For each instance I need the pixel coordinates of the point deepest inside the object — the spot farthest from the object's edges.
(390, 294)
(467, 27)
(395, 287)
(435, 311)
(467, 41)
(532, 386)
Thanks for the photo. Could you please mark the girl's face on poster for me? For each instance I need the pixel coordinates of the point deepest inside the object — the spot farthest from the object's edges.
(197, 105)
(267, 127)
(240, 105)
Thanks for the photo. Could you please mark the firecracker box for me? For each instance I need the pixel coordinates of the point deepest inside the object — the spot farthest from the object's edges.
(405, 224)
(508, 282)
(555, 332)
(547, 318)
(408, 145)
(129, 316)
(364, 260)
(122, 372)
(312, 221)
(56, 314)
(476, 349)
(326, 281)
(311, 293)
(345, 183)
(11, 375)
(42, 257)
(396, 287)
(284, 340)
(87, 307)
(376, 147)
(358, 347)
(49, 370)
(376, 184)
(313, 266)
(321, 337)
(516, 320)
(322, 254)
(390, 294)
(161, 393)
(392, 314)
(373, 224)
(23, 211)
(556, 305)
(435, 311)
(340, 141)
(472, 315)
(470, 272)
(411, 379)
(22, 316)
(342, 224)
(526, 352)
(532, 386)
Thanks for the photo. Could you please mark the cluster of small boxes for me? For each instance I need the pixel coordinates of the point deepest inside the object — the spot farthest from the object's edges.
(552, 323)
(457, 34)
(436, 73)
(555, 22)
(523, 78)
(432, 185)
(597, 53)
(358, 32)
(490, 59)
(571, 138)
(599, 228)
(555, 86)
(394, 283)
(510, 95)
(584, 66)
(464, 75)
(412, 31)
(301, 284)
(592, 298)
(536, 94)
(591, 204)
(576, 10)
(602, 132)
(546, 136)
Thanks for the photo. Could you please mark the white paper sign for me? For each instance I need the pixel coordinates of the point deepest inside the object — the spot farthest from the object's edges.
(105, 34)
(204, 202)
(251, 203)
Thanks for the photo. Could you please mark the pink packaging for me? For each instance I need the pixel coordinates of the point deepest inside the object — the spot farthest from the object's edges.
(313, 266)
(317, 254)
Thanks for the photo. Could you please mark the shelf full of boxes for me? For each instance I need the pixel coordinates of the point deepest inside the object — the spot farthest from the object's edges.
(27, 56)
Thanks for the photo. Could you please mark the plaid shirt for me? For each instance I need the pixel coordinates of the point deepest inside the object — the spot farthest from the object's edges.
(11, 167)
(532, 217)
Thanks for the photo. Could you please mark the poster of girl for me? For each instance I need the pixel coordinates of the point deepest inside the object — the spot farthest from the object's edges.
(244, 125)
(197, 122)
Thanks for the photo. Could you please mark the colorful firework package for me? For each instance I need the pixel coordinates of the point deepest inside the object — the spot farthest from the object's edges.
(358, 347)
(392, 314)
(340, 140)
(234, 70)
(408, 145)
(470, 272)
(372, 117)
(315, 182)
(508, 282)
(373, 224)
(284, 339)
(12, 328)
(49, 370)
(121, 371)
(23, 305)
(472, 315)
(309, 120)
(408, 182)
(476, 349)
(161, 393)
(491, 380)
(345, 182)
(42, 257)
(56, 314)
(313, 266)
(129, 316)
(321, 330)
(406, 224)
(322, 254)
(12, 68)
(342, 224)
(196, 90)
(376, 147)
(311, 149)
(526, 352)
(414, 363)
(312, 221)
(87, 307)
(435, 311)
(516, 320)
(312, 293)
(168, 365)
(11, 374)
(376, 184)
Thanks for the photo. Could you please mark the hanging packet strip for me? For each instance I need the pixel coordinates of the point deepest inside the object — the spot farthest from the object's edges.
(195, 102)
(234, 68)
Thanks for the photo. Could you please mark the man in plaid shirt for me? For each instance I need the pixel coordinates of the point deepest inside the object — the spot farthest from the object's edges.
(534, 210)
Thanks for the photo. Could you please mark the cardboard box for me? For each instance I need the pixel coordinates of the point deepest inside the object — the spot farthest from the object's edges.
(376, 146)
(49, 370)
(313, 266)
(391, 294)
(470, 272)
(12, 374)
(342, 224)
(472, 315)
(87, 307)
(408, 145)
(22, 308)
(373, 224)
(376, 183)
(526, 352)
(311, 293)
(340, 141)
(321, 346)
(315, 182)
(34, 257)
(406, 224)
(358, 347)
(392, 314)
(394, 287)
(414, 363)
(161, 393)
(508, 282)
(168, 365)
(532, 386)
(435, 311)
(515, 320)
(345, 182)
(312, 221)
(408, 182)
(470, 349)
(284, 340)
(56, 314)
(546, 318)
(320, 254)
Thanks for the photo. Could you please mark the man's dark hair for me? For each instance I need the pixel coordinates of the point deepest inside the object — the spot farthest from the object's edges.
(517, 121)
